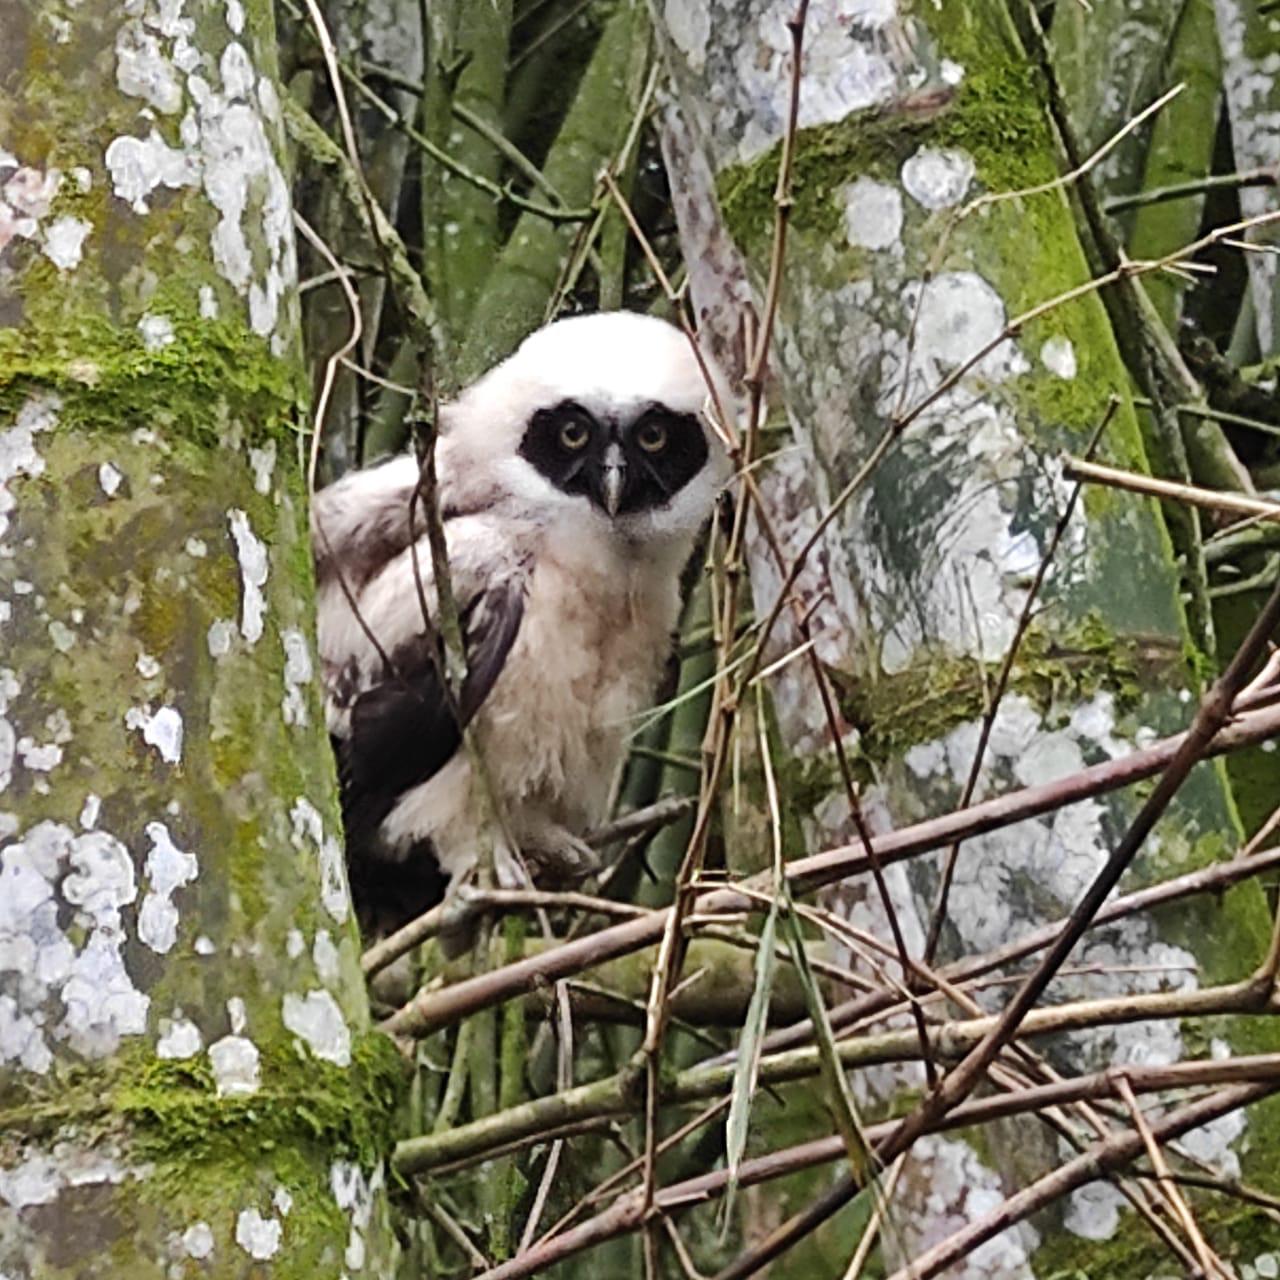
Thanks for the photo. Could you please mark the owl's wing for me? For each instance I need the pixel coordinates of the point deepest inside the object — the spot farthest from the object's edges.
(393, 726)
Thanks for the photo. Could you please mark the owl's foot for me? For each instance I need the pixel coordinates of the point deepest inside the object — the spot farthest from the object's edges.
(557, 857)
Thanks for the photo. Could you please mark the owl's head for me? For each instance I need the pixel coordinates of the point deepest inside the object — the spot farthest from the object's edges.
(604, 419)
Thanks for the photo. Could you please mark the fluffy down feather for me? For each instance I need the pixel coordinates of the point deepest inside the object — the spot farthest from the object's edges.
(568, 612)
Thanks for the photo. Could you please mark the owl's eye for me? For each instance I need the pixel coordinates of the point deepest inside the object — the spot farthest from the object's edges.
(574, 435)
(652, 436)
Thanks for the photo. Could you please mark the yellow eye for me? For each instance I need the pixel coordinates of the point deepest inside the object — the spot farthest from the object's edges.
(574, 435)
(652, 437)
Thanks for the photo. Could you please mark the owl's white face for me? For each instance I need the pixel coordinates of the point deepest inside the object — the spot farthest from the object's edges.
(598, 421)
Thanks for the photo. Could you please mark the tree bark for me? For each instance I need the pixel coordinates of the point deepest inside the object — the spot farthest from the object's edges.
(907, 114)
(188, 1084)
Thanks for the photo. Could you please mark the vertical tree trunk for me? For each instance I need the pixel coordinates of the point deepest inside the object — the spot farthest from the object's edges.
(908, 113)
(188, 1084)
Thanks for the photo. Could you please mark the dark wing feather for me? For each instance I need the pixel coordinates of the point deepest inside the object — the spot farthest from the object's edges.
(403, 730)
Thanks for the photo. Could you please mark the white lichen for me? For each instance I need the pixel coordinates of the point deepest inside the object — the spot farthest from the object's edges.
(179, 1038)
(89, 811)
(168, 868)
(19, 457)
(308, 828)
(61, 636)
(109, 479)
(263, 463)
(324, 955)
(197, 1241)
(144, 70)
(39, 757)
(156, 332)
(1059, 357)
(955, 1189)
(35, 1181)
(221, 636)
(235, 1062)
(872, 214)
(689, 26)
(259, 1237)
(139, 165)
(297, 676)
(64, 241)
(94, 874)
(40, 1177)
(317, 1019)
(962, 317)
(162, 729)
(1093, 1211)
(252, 554)
(938, 178)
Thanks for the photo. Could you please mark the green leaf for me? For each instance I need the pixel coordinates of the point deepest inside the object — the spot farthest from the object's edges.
(749, 1046)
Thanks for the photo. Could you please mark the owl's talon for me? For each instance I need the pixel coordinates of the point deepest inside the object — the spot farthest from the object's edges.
(561, 858)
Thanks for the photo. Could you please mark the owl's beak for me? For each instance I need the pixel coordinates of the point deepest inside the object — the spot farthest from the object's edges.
(613, 478)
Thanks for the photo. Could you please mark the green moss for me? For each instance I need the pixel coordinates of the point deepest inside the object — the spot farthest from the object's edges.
(203, 1151)
(1053, 668)
(995, 114)
(305, 1105)
(170, 1112)
(211, 374)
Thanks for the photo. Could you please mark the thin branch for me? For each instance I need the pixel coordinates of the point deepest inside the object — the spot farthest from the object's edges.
(1209, 1262)
(1103, 1158)
(1150, 486)
(430, 1010)
(1261, 177)
(1214, 712)
(331, 364)
(1261, 1074)
(948, 1040)
(939, 915)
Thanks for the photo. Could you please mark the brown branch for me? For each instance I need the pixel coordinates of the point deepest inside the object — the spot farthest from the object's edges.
(626, 1213)
(616, 1095)
(430, 1010)
(1151, 486)
(1212, 879)
(939, 914)
(1213, 714)
(1101, 1159)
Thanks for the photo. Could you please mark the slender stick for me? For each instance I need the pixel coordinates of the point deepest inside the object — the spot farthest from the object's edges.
(1210, 499)
(939, 914)
(616, 1095)
(1100, 1159)
(1214, 712)
(1260, 177)
(428, 1011)
(1212, 879)
(624, 1215)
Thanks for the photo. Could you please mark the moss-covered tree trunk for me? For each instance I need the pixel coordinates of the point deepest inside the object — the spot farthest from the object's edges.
(907, 114)
(188, 1085)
